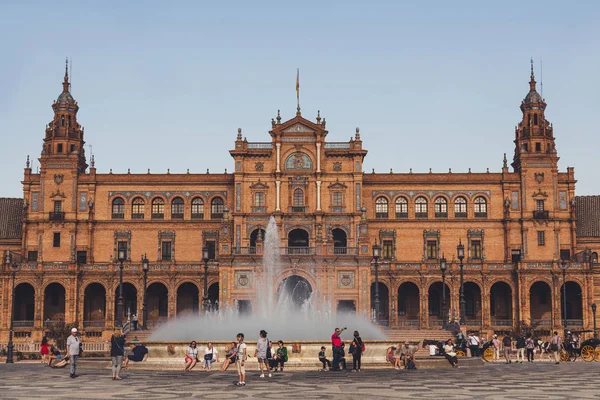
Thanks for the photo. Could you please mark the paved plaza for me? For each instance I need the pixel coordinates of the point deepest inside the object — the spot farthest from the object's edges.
(499, 381)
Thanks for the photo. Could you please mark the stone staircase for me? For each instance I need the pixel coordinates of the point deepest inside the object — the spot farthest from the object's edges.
(416, 335)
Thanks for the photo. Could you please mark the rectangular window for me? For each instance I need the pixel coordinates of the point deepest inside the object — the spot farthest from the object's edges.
(60, 148)
(562, 200)
(337, 199)
(166, 251)
(516, 256)
(56, 239)
(539, 205)
(565, 255)
(432, 253)
(514, 200)
(538, 147)
(212, 247)
(259, 199)
(57, 206)
(476, 249)
(122, 247)
(81, 257)
(32, 256)
(541, 238)
(388, 249)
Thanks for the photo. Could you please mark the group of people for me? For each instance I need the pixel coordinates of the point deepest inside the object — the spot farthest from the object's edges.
(338, 348)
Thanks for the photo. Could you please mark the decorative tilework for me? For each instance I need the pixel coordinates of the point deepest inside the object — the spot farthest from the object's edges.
(34, 201)
(83, 201)
(168, 195)
(431, 193)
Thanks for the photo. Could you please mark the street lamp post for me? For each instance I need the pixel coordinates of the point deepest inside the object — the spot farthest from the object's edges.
(205, 259)
(120, 300)
(443, 267)
(460, 251)
(10, 346)
(594, 315)
(376, 255)
(145, 268)
(563, 265)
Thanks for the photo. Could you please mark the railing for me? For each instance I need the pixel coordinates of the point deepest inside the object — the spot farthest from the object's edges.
(337, 209)
(49, 324)
(460, 215)
(177, 216)
(413, 323)
(441, 215)
(244, 250)
(118, 216)
(541, 214)
(197, 216)
(433, 321)
(381, 215)
(216, 216)
(56, 216)
(351, 251)
(158, 216)
(541, 322)
(573, 322)
(305, 251)
(259, 210)
(481, 214)
(401, 215)
(95, 346)
(298, 209)
(137, 216)
(501, 322)
(260, 145)
(94, 324)
(473, 321)
(23, 324)
(421, 215)
(337, 145)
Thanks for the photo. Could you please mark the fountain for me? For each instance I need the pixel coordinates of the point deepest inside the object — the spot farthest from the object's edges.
(294, 312)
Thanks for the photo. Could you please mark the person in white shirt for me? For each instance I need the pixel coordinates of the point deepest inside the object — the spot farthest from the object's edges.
(73, 344)
(211, 355)
(450, 353)
(474, 344)
(241, 358)
(191, 356)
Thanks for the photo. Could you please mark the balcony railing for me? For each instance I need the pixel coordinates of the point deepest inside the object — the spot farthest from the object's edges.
(381, 215)
(49, 324)
(421, 215)
(351, 251)
(259, 209)
(177, 216)
(401, 215)
(412, 323)
(118, 216)
(298, 209)
(216, 216)
(260, 145)
(441, 215)
(541, 214)
(473, 321)
(337, 145)
(197, 216)
(573, 322)
(93, 324)
(481, 215)
(137, 216)
(57, 216)
(541, 322)
(501, 322)
(158, 216)
(243, 250)
(337, 209)
(460, 215)
(23, 324)
(305, 251)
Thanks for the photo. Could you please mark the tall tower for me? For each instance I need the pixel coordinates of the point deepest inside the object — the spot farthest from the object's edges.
(64, 136)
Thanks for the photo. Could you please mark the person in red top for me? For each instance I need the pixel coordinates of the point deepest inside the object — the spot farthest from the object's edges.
(44, 350)
(336, 344)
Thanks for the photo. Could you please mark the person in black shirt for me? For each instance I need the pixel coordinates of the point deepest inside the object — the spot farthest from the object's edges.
(357, 349)
(140, 353)
(507, 342)
(323, 359)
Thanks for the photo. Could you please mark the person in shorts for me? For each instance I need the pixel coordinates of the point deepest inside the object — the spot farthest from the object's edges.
(241, 358)
(140, 353)
(261, 353)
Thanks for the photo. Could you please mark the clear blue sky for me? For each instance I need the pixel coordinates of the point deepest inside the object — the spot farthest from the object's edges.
(431, 85)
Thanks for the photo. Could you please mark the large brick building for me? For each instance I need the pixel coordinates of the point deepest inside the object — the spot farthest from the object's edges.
(516, 226)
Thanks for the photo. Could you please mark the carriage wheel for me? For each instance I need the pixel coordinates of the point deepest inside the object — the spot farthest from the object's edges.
(460, 353)
(588, 353)
(564, 356)
(597, 354)
(488, 355)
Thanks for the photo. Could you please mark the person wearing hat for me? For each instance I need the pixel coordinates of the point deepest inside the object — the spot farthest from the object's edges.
(73, 345)
(407, 354)
(496, 346)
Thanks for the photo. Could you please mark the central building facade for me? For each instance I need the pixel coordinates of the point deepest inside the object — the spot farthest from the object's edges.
(516, 225)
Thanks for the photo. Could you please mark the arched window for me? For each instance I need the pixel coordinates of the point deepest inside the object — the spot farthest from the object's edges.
(177, 207)
(421, 207)
(401, 207)
(216, 208)
(460, 207)
(381, 207)
(595, 258)
(118, 208)
(481, 207)
(158, 208)
(441, 207)
(137, 208)
(197, 208)
(298, 201)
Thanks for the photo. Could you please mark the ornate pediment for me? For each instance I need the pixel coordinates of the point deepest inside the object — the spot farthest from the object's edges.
(539, 194)
(298, 127)
(337, 185)
(58, 193)
(259, 185)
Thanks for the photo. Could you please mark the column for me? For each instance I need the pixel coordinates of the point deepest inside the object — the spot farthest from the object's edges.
(278, 145)
(318, 157)
(278, 187)
(318, 195)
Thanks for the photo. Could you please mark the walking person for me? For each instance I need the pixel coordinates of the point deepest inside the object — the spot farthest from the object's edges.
(520, 349)
(474, 344)
(555, 346)
(45, 350)
(73, 347)
(336, 346)
(241, 358)
(506, 343)
(117, 352)
(496, 347)
(356, 349)
(262, 349)
(530, 345)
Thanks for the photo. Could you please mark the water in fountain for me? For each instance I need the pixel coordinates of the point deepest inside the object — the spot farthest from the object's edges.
(295, 312)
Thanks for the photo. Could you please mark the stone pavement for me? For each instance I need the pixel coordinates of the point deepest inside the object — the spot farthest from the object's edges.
(492, 381)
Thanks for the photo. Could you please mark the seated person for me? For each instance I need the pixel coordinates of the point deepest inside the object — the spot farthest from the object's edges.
(390, 356)
(343, 358)
(54, 355)
(140, 353)
(230, 357)
(407, 354)
(323, 359)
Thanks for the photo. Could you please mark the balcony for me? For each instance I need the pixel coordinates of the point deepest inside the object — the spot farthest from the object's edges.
(137, 216)
(177, 216)
(216, 216)
(421, 215)
(481, 214)
(243, 250)
(350, 251)
(337, 209)
(299, 251)
(298, 209)
(50, 324)
(337, 145)
(460, 215)
(401, 215)
(23, 324)
(93, 324)
(259, 210)
(158, 216)
(197, 216)
(501, 322)
(260, 145)
(57, 216)
(441, 215)
(573, 322)
(381, 215)
(541, 322)
(118, 216)
(409, 323)
(541, 214)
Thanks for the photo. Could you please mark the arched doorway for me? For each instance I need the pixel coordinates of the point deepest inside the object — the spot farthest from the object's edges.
(574, 311)
(295, 289)
(472, 294)
(54, 304)
(340, 241)
(408, 305)
(346, 307)
(187, 299)
(157, 297)
(129, 302)
(437, 313)
(24, 305)
(384, 304)
(94, 305)
(501, 304)
(213, 296)
(257, 235)
(298, 242)
(540, 304)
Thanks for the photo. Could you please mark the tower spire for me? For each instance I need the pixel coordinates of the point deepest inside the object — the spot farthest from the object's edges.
(66, 79)
(532, 77)
(298, 90)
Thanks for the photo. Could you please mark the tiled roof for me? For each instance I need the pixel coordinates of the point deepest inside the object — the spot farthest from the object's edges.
(588, 216)
(11, 214)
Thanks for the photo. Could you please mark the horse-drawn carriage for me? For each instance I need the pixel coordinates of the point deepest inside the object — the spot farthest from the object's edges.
(589, 350)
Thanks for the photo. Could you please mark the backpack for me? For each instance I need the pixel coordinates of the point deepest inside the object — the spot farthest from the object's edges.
(411, 365)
